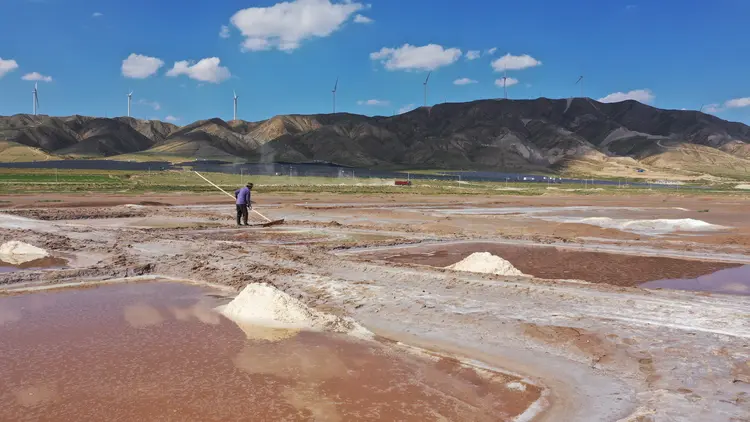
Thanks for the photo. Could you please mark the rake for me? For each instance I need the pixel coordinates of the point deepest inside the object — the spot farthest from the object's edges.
(268, 222)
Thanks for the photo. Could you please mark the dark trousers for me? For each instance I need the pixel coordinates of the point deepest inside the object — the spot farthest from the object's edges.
(241, 213)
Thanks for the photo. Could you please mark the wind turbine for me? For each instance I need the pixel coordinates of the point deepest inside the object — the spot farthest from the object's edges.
(580, 80)
(130, 98)
(235, 104)
(335, 88)
(35, 98)
(425, 88)
(505, 81)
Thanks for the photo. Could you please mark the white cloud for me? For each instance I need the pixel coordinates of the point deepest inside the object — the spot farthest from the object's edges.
(491, 51)
(712, 108)
(511, 62)
(172, 119)
(137, 66)
(36, 76)
(472, 54)
(206, 70)
(641, 95)
(464, 81)
(153, 104)
(508, 82)
(97, 15)
(409, 57)
(224, 31)
(407, 108)
(738, 102)
(285, 25)
(362, 19)
(7, 66)
(373, 102)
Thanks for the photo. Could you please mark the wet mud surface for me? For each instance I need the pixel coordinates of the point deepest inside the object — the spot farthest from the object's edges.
(560, 263)
(157, 351)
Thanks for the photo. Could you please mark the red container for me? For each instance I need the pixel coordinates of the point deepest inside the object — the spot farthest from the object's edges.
(403, 182)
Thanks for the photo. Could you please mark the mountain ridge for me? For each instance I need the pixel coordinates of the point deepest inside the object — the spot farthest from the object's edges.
(539, 134)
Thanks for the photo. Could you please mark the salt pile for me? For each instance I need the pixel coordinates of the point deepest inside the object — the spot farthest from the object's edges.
(646, 227)
(16, 253)
(264, 305)
(485, 262)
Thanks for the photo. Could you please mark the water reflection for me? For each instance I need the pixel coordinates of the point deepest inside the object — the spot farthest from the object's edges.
(155, 351)
(735, 281)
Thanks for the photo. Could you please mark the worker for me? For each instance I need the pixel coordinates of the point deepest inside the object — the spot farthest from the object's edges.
(243, 203)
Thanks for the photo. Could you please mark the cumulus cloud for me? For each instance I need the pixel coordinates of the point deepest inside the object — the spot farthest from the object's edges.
(7, 66)
(464, 81)
(508, 82)
(373, 102)
(137, 66)
(172, 119)
(472, 54)
(224, 31)
(285, 25)
(641, 95)
(738, 102)
(206, 70)
(409, 57)
(362, 19)
(97, 15)
(407, 108)
(153, 104)
(511, 62)
(36, 76)
(491, 51)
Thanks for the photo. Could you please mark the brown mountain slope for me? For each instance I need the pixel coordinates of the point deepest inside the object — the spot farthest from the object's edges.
(84, 136)
(487, 134)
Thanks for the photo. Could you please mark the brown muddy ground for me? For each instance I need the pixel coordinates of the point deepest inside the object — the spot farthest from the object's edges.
(603, 352)
(560, 263)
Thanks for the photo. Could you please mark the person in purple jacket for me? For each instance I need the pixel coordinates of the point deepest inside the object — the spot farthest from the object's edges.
(243, 203)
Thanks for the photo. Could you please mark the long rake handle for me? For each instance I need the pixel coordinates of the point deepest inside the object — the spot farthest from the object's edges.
(229, 194)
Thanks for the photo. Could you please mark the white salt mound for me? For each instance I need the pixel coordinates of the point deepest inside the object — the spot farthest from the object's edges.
(15, 252)
(485, 262)
(266, 306)
(743, 186)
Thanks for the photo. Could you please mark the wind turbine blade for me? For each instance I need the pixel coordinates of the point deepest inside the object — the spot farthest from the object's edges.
(336, 86)
(428, 78)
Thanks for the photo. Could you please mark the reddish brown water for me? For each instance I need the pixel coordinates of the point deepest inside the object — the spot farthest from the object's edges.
(37, 264)
(560, 263)
(734, 281)
(157, 351)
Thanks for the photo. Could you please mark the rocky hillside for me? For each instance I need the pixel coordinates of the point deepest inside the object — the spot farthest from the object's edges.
(82, 136)
(487, 134)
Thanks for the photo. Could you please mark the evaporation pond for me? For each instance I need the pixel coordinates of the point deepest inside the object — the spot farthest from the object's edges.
(558, 262)
(734, 281)
(37, 264)
(158, 351)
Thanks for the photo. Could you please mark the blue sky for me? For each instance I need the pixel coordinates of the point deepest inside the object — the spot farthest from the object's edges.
(284, 58)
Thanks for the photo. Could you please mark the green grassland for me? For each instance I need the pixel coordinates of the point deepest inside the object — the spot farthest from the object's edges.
(20, 181)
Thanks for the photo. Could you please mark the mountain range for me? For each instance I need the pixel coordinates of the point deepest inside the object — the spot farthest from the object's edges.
(555, 135)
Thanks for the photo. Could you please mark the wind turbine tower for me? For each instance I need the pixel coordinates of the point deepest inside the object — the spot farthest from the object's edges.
(35, 98)
(580, 80)
(505, 82)
(130, 98)
(235, 104)
(335, 88)
(425, 88)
